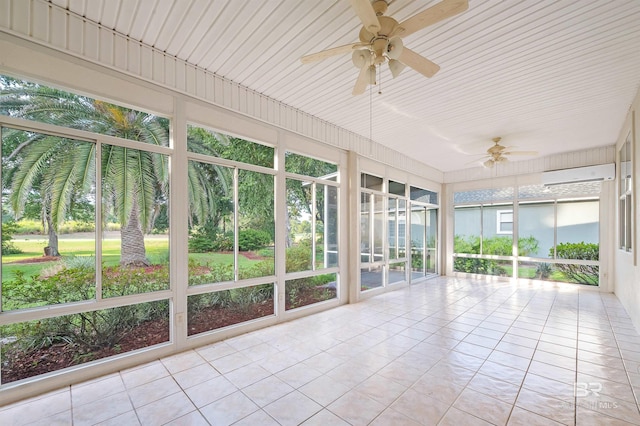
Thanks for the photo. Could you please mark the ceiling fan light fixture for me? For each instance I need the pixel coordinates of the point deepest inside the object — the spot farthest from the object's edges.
(360, 58)
(372, 75)
(396, 67)
(394, 48)
(488, 164)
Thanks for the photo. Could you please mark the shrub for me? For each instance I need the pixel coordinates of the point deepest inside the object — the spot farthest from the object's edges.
(253, 239)
(206, 240)
(8, 231)
(583, 274)
(543, 271)
(299, 257)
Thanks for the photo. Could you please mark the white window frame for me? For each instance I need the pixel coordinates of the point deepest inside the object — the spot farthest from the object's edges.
(499, 222)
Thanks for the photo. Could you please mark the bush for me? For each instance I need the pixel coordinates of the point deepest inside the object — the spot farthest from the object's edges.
(206, 240)
(29, 227)
(583, 274)
(8, 231)
(299, 257)
(497, 246)
(253, 239)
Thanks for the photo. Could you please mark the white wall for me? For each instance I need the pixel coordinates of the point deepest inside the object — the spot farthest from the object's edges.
(626, 267)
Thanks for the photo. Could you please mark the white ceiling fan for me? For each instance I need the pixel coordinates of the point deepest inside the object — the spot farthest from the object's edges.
(500, 153)
(381, 40)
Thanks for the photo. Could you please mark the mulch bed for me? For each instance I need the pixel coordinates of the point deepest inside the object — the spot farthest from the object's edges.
(39, 259)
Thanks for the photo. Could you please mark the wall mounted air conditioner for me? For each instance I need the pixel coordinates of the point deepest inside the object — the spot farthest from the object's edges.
(580, 174)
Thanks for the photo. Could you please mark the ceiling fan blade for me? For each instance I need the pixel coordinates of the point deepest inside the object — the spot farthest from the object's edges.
(520, 153)
(418, 63)
(367, 15)
(324, 54)
(436, 13)
(362, 81)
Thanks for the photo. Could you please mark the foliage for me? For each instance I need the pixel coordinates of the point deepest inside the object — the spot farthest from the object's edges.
(299, 257)
(497, 246)
(240, 299)
(8, 231)
(543, 270)
(583, 274)
(303, 291)
(253, 239)
(204, 239)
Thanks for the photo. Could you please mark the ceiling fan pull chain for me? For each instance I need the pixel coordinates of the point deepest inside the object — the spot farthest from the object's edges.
(379, 80)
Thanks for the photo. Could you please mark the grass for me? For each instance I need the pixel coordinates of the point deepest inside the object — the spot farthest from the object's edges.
(157, 250)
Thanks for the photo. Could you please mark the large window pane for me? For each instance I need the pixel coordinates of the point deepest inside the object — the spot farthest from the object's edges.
(397, 272)
(36, 102)
(330, 226)
(579, 221)
(497, 235)
(371, 182)
(560, 272)
(402, 228)
(257, 224)
(48, 220)
(309, 290)
(371, 277)
(378, 228)
(418, 241)
(303, 165)
(393, 228)
(365, 228)
(209, 142)
(223, 308)
(423, 195)
(135, 193)
(432, 241)
(211, 228)
(41, 346)
(299, 224)
(467, 226)
(536, 229)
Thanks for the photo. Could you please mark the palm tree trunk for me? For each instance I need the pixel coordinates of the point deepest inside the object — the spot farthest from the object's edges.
(52, 248)
(132, 250)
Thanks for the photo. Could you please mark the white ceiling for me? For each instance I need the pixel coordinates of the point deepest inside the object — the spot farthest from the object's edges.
(546, 75)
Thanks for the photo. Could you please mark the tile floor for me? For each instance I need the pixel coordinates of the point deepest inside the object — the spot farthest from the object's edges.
(449, 351)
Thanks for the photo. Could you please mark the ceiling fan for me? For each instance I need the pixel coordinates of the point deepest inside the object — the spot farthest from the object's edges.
(381, 40)
(500, 153)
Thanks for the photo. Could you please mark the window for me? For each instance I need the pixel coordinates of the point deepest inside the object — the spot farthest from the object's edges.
(625, 209)
(504, 223)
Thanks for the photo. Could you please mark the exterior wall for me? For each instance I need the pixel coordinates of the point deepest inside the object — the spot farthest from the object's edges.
(627, 270)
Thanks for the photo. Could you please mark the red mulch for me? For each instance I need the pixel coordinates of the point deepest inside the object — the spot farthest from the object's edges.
(216, 317)
(37, 259)
(19, 365)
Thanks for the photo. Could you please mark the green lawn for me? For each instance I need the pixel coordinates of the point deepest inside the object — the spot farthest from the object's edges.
(157, 252)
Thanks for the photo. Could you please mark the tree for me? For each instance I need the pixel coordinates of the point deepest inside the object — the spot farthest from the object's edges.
(134, 181)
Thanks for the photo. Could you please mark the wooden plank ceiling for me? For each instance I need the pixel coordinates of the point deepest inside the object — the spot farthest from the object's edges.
(546, 75)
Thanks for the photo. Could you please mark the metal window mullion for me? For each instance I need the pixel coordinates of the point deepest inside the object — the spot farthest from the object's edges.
(98, 225)
(372, 237)
(481, 228)
(1, 141)
(313, 226)
(236, 225)
(424, 243)
(555, 229)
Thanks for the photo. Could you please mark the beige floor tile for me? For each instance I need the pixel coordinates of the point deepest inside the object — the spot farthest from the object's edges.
(423, 410)
(381, 389)
(212, 390)
(229, 409)
(195, 375)
(356, 408)
(586, 417)
(193, 418)
(215, 351)
(471, 349)
(182, 361)
(153, 391)
(258, 418)
(247, 375)
(562, 411)
(612, 407)
(228, 363)
(61, 419)
(37, 408)
(400, 373)
(509, 360)
(144, 374)
(438, 387)
(522, 417)
(85, 393)
(568, 363)
(455, 417)
(165, 410)
(552, 372)
(480, 405)
(392, 417)
(499, 389)
(130, 418)
(324, 390)
(293, 409)
(324, 418)
(550, 387)
(267, 390)
(102, 409)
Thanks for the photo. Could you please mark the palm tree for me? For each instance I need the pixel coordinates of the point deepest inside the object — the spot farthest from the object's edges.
(132, 180)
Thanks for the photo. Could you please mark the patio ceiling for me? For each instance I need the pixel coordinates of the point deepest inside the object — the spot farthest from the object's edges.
(547, 75)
